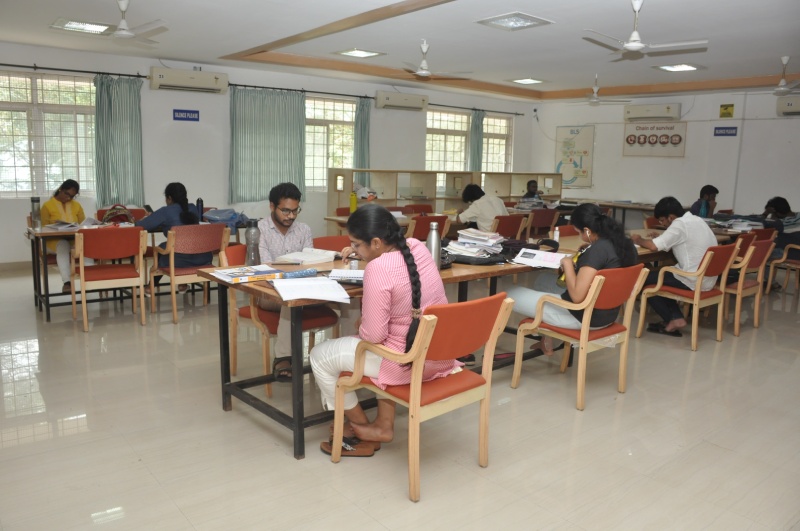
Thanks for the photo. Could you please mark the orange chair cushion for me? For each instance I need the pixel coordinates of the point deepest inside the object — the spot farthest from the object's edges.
(610, 330)
(183, 271)
(434, 390)
(688, 293)
(748, 283)
(313, 317)
(109, 272)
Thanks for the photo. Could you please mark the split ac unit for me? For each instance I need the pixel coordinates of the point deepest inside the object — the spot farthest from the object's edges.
(191, 80)
(667, 112)
(397, 100)
(788, 106)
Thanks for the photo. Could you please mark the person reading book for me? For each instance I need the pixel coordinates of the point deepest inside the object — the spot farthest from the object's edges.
(63, 207)
(606, 247)
(400, 281)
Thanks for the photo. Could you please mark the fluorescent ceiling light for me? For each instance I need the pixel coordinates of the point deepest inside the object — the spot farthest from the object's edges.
(677, 68)
(526, 81)
(81, 27)
(361, 54)
(514, 21)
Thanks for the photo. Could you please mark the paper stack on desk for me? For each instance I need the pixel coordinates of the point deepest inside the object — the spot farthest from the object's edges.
(314, 288)
(474, 242)
(256, 273)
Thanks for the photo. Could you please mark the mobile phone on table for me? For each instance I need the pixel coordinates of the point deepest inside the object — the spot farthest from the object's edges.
(148, 209)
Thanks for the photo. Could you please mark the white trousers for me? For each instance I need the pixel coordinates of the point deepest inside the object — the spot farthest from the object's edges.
(526, 299)
(332, 357)
(64, 262)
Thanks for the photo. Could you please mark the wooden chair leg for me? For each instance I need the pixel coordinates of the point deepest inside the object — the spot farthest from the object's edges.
(338, 425)
(413, 455)
(695, 326)
(265, 356)
(173, 288)
(83, 306)
(642, 311)
(518, 360)
(737, 314)
(757, 309)
(565, 356)
(152, 295)
(483, 433)
(719, 320)
(141, 303)
(623, 365)
(581, 400)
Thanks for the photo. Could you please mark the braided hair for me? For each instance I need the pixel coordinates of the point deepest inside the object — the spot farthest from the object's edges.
(177, 192)
(374, 221)
(589, 215)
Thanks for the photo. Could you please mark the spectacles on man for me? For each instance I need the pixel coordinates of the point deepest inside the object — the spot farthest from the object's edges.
(290, 212)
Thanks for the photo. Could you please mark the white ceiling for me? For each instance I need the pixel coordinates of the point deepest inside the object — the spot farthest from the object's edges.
(746, 37)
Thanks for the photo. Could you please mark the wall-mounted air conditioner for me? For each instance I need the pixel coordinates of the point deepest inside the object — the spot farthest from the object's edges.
(666, 112)
(397, 100)
(788, 105)
(191, 80)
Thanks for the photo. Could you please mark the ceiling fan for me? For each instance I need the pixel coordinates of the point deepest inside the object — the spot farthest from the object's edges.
(634, 42)
(783, 87)
(138, 33)
(423, 72)
(594, 98)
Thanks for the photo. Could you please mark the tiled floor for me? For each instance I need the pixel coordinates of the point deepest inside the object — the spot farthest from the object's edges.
(122, 428)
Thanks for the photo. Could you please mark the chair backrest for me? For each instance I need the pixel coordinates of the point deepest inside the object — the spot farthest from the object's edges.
(343, 211)
(417, 209)
(509, 226)
(651, 222)
(204, 238)
(510, 204)
(762, 249)
(331, 243)
(542, 220)
(567, 230)
(765, 234)
(478, 316)
(722, 259)
(618, 286)
(111, 243)
(745, 240)
(233, 256)
(394, 208)
(422, 226)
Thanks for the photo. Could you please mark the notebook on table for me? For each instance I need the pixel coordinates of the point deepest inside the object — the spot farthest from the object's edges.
(347, 276)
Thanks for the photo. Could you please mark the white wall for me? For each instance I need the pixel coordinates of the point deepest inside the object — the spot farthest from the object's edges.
(196, 153)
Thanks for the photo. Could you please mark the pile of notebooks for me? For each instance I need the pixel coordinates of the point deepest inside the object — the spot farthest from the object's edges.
(474, 242)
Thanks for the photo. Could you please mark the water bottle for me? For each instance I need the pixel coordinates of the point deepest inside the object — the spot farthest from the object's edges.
(556, 234)
(434, 244)
(36, 214)
(353, 202)
(200, 209)
(251, 237)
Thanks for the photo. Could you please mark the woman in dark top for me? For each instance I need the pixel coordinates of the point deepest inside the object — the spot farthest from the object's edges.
(607, 248)
(178, 211)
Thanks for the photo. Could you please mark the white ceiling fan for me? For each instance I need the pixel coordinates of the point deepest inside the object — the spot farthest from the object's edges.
(138, 33)
(594, 98)
(783, 87)
(422, 71)
(634, 42)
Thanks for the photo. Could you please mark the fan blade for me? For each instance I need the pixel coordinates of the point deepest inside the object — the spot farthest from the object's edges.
(621, 43)
(699, 42)
(150, 26)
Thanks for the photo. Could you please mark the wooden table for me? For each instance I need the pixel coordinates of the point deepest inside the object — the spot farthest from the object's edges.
(624, 206)
(297, 421)
(41, 283)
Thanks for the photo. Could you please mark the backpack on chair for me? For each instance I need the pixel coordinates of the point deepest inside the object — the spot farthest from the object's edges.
(118, 214)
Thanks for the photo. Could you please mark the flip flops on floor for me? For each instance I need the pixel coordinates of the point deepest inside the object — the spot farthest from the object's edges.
(352, 447)
(661, 328)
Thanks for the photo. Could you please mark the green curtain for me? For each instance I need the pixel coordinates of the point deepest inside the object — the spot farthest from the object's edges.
(118, 141)
(476, 140)
(361, 140)
(267, 142)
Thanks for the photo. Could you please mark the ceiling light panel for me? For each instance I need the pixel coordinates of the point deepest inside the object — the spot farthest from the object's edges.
(79, 26)
(361, 54)
(526, 81)
(679, 68)
(514, 21)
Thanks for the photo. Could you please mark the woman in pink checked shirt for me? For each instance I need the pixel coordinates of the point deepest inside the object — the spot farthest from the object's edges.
(400, 281)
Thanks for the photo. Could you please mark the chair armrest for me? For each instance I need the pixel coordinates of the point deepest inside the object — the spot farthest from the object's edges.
(552, 299)
(785, 256)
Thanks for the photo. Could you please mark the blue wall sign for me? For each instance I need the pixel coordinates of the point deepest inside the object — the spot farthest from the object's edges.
(725, 131)
(185, 115)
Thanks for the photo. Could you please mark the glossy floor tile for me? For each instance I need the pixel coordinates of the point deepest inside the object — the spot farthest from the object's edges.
(122, 428)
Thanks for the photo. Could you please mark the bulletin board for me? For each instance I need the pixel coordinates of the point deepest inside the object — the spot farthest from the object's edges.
(574, 153)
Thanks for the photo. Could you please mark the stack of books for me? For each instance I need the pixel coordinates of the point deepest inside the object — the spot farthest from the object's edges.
(474, 242)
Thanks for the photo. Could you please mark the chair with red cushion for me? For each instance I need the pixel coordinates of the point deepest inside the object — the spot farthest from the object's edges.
(716, 263)
(610, 289)
(109, 245)
(187, 239)
(745, 239)
(789, 265)
(511, 226)
(314, 317)
(440, 337)
(420, 226)
(765, 234)
(331, 243)
(541, 221)
(417, 209)
(566, 230)
(754, 261)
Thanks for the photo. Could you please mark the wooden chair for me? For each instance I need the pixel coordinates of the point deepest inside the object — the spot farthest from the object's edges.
(420, 226)
(754, 261)
(651, 222)
(789, 264)
(417, 209)
(110, 244)
(187, 239)
(716, 263)
(610, 288)
(331, 243)
(765, 234)
(745, 240)
(511, 226)
(541, 221)
(485, 319)
(566, 230)
(510, 204)
(314, 317)
(394, 208)
(343, 211)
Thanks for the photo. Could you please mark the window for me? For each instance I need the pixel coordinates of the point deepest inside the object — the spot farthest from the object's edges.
(329, 139)
(46, 133)
(496, 144)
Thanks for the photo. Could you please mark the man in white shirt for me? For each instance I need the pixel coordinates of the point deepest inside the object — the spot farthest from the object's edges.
(483, 208)
(688, 237)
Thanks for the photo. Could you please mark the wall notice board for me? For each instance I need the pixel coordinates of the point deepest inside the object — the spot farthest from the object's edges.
(574, 152)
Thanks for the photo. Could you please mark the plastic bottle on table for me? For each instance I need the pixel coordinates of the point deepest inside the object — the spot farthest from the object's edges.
(556, 235)
(200, 208)
(353, 202)
(251, 237)
(434, 244)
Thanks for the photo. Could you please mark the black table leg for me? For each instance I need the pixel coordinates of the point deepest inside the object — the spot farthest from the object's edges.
(224, 347)
(298, 412)
(36, 273)
(493, 286)
(463, 291)
(46, 283)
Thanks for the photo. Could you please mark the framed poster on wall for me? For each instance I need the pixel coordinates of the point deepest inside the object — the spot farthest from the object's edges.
(574, 151)
(662, 139)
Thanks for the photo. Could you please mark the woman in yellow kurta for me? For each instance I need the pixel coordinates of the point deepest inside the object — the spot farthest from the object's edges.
(61, 207)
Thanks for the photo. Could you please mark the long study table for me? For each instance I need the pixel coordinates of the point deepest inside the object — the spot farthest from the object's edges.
(297, 421)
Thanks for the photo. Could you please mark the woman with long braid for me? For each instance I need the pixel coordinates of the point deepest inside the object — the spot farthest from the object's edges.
(178, 211)
(400, 281)
(606, 247)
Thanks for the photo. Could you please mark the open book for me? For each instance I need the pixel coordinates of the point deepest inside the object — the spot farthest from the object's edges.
(307, 256)
(87, 223)
(350, 276)
(238, 275)
(534, 258)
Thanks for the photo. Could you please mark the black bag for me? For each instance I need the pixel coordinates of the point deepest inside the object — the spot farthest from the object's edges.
(511, 248)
